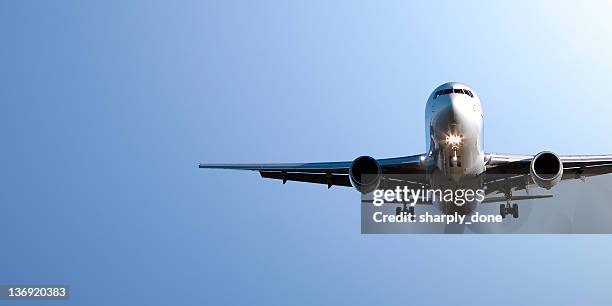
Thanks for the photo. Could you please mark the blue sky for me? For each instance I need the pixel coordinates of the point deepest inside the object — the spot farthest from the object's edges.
(109, 106)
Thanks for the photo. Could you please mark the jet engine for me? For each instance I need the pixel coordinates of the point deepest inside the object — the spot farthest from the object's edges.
(546, 169)
(365, 174)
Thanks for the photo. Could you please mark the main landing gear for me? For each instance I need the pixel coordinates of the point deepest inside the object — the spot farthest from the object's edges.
(409, 210)
(506, 209)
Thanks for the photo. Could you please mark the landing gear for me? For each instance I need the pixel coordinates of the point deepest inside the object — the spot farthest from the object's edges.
(515, 210)
(404, 209)
(505, 209)
(509, 208)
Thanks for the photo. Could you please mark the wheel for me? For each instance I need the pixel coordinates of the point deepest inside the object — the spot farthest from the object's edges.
(502, 210)
(398, 211)
(411, 212)
(515, 210)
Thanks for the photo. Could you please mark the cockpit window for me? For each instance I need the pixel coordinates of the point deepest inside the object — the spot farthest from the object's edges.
(447, 91)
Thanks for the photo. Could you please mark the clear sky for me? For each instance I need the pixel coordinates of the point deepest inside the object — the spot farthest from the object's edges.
(108, 106)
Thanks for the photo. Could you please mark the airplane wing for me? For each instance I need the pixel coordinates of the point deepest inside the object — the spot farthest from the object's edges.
(329, 173)
(512, 170)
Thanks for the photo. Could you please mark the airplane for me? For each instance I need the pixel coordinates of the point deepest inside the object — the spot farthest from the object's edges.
(454, 158)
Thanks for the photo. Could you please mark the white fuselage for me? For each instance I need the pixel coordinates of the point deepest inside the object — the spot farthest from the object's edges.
(454, 137)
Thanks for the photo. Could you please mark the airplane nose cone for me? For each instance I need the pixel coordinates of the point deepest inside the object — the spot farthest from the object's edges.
(453, 112)
(459, 109)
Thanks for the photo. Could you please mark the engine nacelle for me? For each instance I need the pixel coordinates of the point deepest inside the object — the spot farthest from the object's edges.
(365, 174)
(546, 169)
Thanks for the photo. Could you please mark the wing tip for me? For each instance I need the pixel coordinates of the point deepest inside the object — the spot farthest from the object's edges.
(211, 166)
(229, 166)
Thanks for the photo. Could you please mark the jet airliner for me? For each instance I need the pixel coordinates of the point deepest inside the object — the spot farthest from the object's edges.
(454, 158)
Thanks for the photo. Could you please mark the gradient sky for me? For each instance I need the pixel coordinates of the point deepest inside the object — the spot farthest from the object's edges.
(108, 106)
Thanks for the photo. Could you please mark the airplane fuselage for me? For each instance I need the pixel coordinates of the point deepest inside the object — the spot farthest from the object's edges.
(454, 139)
